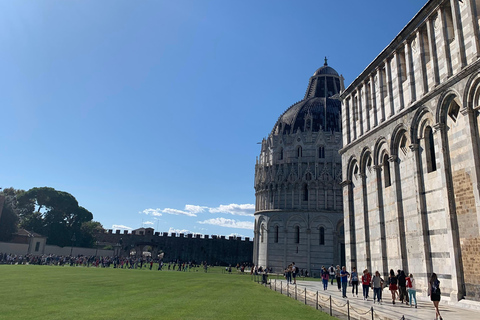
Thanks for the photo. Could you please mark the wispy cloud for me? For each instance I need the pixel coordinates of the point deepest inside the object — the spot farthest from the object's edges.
(120, 227)
(229, 223)
(191, 210)
(173, 230)
(235, 209)
(236, 235)
(148, 222)
(179, 212)
(153, 212)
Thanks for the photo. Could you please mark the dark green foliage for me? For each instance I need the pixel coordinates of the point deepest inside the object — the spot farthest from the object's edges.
(9, 214)
(57, 215)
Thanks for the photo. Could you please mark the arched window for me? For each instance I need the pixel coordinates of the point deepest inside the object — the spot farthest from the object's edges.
(305, 192)
(299, 152)
(430, 150)
(386, 171)
(321, 152)
(322, 236)
(280, 155)
(261, 233)
(276, 234)
(297, 234)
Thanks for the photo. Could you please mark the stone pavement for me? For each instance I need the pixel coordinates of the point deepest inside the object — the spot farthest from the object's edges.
(361, 309)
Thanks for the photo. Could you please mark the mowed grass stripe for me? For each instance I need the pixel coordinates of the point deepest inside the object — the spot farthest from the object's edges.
(51, 292)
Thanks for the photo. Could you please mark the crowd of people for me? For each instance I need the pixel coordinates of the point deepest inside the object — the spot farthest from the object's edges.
(131, 262)
(401, 286)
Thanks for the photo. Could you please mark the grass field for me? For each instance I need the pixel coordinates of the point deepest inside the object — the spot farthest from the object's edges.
(52, 292)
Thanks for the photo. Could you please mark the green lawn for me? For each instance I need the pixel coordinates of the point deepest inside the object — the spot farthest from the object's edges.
(52, 292)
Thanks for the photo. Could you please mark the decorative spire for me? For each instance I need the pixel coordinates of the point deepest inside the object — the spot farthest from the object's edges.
(325, 64)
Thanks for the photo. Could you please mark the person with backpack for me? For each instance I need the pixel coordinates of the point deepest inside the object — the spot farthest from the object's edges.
(411, 289)
(331, 270)
(402, 286)
(434, 293)
(392, 284)
(337, 277)
(325, 275)
(344, 280)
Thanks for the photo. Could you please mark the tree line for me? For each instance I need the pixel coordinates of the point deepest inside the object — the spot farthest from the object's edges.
(49, 212)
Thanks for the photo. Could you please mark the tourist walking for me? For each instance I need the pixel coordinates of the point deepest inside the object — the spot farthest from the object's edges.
(434, 293)
(377, 285)
(392, 284)
(344, 280)
(402, 286)
(325, 275)
(366, 278)
(412, 294)
(294, 272)
(337, 277)
(331, 272)
(354, 281)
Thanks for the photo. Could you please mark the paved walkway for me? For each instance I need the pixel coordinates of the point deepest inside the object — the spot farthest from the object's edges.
(361, 309)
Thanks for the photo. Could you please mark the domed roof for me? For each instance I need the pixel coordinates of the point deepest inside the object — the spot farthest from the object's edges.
(319, 110)
(315, 114)
(326, 70)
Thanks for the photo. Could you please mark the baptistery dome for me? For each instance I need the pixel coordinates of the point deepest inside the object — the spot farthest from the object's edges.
(320, 108)
(299, 204)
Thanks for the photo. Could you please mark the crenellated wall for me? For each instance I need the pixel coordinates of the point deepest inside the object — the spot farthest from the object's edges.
(185, 247)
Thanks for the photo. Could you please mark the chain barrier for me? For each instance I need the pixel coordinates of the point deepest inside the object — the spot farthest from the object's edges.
(317, 298)
(359, 313)
(338, 305)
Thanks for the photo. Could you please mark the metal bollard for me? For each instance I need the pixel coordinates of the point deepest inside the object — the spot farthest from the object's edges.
(372, 312)
(305, 295)
(330, 305)
(295, 292)
(348, 310)
(317, 301)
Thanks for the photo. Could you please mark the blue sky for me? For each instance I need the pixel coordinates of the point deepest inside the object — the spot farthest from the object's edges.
(149, 112)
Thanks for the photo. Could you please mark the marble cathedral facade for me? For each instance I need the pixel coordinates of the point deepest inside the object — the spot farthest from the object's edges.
(411, 156)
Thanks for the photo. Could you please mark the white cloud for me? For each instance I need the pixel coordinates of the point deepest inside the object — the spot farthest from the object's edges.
(153, 212)
(195, 209)
(236, 235)
(173, 230)
(229, 223)
(148, 222)
(120, 227)
(178, 212)
(235, 209)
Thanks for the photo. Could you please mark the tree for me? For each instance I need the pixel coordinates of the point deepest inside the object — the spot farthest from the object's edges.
(9, 213)
(55, 214)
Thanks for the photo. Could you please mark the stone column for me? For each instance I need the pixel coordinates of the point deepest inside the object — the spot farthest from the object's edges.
(444, 40)
(381, 90)
(400, 79)
(419, 185)
(441, 139)
(410, 71)
(457, 27)
(366, 221)
(389, 86)
(423, 64)
(349, 216)
(474, 21)
(433, 49)
(373, 99)
(397, 185)
(381, 219)
(360, 109)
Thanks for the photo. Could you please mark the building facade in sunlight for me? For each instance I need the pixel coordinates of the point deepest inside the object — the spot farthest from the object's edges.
(411, 156)
(298, 210)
